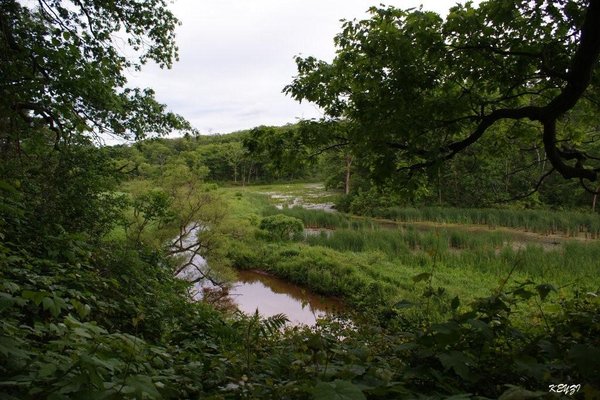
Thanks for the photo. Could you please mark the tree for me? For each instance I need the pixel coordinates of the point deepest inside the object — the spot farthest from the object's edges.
(235, 156)
(420, 89)
(62, 84)
(330, 138)
(278, 152)
(61, 69)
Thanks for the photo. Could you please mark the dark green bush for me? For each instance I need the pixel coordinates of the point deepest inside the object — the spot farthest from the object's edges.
(281, 227)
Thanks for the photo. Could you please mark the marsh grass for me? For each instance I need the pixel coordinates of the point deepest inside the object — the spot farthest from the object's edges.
(485, 257)
(399, 242)
(570, 223)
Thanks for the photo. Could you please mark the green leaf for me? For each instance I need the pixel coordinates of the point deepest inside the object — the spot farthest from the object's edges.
(355, 369)
(404, 304)
(406, 346)
(54, 305)
(337, 390)
(458, 362)
(7, 187)
(482, 327)
(82, 309)
(47, 370)
(529, 366)
(142, 384)
(82, 332)
(7, 301)
(36, 297)
(10, 347)
(48, 304)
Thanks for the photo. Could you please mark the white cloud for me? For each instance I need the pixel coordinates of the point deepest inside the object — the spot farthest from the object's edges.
(237, 55)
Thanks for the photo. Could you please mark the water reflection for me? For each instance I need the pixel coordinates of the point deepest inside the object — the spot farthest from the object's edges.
(271, 295)
(253, 290)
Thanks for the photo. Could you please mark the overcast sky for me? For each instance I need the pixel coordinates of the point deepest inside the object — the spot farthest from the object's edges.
(237, 55)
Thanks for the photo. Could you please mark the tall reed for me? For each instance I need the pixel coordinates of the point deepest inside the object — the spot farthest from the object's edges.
(489, 252)
(570, 223)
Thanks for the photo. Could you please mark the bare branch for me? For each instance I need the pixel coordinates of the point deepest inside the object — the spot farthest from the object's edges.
(333, 146)
(535, 189)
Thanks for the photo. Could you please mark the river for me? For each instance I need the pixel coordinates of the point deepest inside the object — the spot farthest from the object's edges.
(271, 295)
(256, 290)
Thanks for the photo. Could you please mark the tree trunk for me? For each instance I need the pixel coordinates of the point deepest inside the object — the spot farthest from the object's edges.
(594, 199)
(439, 185)
(347, 181)
(249, 174)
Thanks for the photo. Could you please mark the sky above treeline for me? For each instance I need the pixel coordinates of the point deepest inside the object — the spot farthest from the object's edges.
(235, 57)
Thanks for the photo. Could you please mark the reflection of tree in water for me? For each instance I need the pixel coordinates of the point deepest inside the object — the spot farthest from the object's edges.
(219, 297)
(296, 293)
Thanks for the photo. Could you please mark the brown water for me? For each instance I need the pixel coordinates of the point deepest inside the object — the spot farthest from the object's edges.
(271, 295)
(257, 290)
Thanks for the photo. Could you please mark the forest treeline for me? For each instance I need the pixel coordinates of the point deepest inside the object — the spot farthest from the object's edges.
(496, 173)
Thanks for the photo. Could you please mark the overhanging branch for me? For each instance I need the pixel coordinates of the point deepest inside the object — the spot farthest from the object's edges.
(578, 79)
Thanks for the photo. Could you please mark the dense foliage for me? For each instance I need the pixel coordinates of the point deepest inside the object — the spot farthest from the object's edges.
(281, 226)
(262, 154)
(510, 82)
(62, 70)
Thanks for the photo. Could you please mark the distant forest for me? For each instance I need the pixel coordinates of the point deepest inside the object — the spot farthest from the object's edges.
(490, 174)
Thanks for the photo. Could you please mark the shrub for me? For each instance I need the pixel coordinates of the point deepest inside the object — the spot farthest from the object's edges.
(281, 227)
